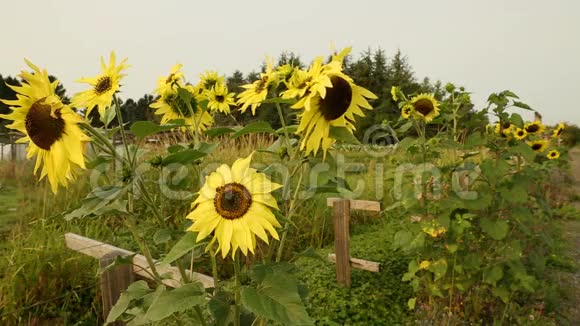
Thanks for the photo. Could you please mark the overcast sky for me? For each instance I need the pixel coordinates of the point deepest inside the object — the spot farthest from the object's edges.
(529, 46)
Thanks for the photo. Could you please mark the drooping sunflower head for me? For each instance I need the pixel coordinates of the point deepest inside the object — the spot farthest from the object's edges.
(257, 91)
(174, 79)
(298, 84)
(103, 87)
(219, 99)
(425, 106)
(535, 127)
(50, 128)
(538, 145)
(285, 72)
(558, 131)
(235, 204)
(553, 154)
(395, 93)
(172, 106)
(520, 133)
(209, 79)
(406, 111)
(335, 106)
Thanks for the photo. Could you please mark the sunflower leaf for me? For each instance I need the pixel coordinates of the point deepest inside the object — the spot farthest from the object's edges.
(279, 100)
(343, 134)
(288, 129)
(522, 105)
(215, 132)
(277, 299)
(170, 301)
(254, 127)
(186, 244)
(143, 129)
(183, 157)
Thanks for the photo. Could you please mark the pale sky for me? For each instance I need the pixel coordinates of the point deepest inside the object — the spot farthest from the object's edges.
(531, 47)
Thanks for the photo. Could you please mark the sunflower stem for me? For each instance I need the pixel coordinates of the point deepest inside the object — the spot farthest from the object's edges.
(289, 213)
(237, 309)
(143, 247)
(283, 123)
(214, 270)
(122, 129)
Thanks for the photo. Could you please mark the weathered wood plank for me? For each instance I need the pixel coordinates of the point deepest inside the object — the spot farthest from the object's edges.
(364, 205)
(341, 223)
(113, 282)
(97, 249)
(366, 265)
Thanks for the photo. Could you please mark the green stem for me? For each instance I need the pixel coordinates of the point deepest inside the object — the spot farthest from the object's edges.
(200, 315)
(214, 270)
(122, 130)
(289, 218)
(283, 122)
(237, 308)
(144, 248)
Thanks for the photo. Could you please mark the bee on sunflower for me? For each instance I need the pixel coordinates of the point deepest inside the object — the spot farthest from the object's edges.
(236, 205)
(538, 145)
(332, 99)
(50, 128)
(103, 87)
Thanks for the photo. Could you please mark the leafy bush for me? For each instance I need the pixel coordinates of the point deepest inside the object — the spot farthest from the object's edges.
(373, 299)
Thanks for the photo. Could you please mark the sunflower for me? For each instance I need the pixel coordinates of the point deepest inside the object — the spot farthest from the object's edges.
(175, 78)
(171, 106)
(235, 204)
(209, 79)
(257, 91)
(424, 264)
(50, 128)
(553, 154)
(104, 86)
(558, 131)
(297, 84)
(219, 99)
(535, 127)
(504, 130)
(425, 106)
(538, 145)
(336, 106)
(407, 111)
(520, 133)
(285, 72)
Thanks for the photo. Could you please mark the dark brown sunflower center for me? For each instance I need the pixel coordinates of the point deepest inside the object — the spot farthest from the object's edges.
(232, 200)
(533, 128)
(552, 154)
(103, 85)
(179, 106)
(262, 84)
(337, 100)
(536, 147)
(424, 106)
(220, 98)
(521, 133)
(43, 128)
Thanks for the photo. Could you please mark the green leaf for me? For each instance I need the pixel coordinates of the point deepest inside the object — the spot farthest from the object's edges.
(438, 268)
(135, 291)
(492, 275)
(404, 128)
(186, 244)
(502, 293)
(109, 115)
(522, 105)
(183, 157)
(474, 140)
(495, 229)
(143, 129)
(276, 299)
(162, 236)
(181, 299)
(343, 134)
(220, 310)
(279, 100)
(310, 253)
(288, 129)
(508, 93)
(411, 303)
(254, 127)
(100, 201)
(401, 239)
(214, 132)
(516, 119)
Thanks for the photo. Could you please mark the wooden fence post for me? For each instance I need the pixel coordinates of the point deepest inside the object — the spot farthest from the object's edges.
(114, 281)
(341, 222)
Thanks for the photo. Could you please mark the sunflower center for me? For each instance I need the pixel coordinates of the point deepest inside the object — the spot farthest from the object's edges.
(219, 98)
(536, 147)
(337, 100)
(232, 200)
(103, 85)
(520, 133)
(179, 106)
(262, 84)
(423, 106)
(43, 128)
(532, 128)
